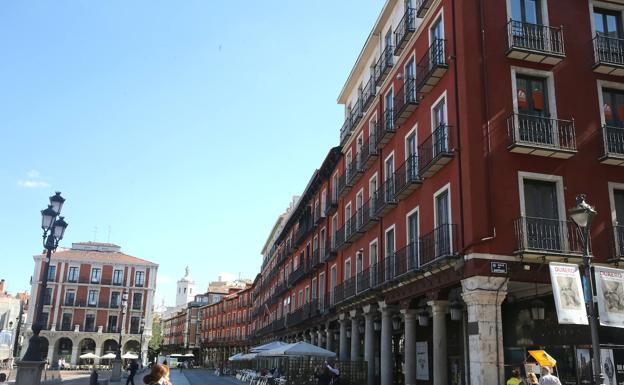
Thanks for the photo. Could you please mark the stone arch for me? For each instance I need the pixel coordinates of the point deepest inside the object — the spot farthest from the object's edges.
(63, 349)
(45, 344)
(132, 346)
(109, 346)
(86, 345)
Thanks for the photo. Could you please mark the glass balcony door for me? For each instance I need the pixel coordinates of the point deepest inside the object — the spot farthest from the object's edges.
(534, 123)
(527, 29)
(543, 227)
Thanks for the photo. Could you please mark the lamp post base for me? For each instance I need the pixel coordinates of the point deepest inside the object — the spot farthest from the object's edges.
(116, 370)
(29, 372)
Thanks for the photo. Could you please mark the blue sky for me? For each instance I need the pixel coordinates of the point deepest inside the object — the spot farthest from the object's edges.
(183, 126)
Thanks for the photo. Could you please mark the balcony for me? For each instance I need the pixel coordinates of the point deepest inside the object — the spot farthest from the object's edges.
(368, 151)
(405, 101)
(431, 67)
(366, 216)
(541, 136)
(317, 214)
(368, 93)
(331, 203)
(355, 170)
(302, 231)
(385, 198)
(608, 55)
(386, 129)
(384, 65)
(405, 30)
(535, 43)
(407, 177)
(316, 258)
(351, 227)
(438, 244)
(422, 6)
(345, 130)
(613, 138)
(345, 181)
(301, 271)
(435, 151)
(543, 236)
(403, 261)
(340, 238)
(356, 114)
(618, 236)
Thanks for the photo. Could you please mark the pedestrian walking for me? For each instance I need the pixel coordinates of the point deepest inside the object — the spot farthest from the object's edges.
(93, 379)
(515, 378)
(159, 375)
(132, 369)
(548, 378)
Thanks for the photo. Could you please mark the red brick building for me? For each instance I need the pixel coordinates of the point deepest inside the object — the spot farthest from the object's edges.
(83, 301)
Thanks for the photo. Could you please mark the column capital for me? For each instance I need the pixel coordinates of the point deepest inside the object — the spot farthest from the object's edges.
(438, 306)
(409, 314)
(484, 290)
(355, 313)
(369, 309)
(342, 317)
(384, 307)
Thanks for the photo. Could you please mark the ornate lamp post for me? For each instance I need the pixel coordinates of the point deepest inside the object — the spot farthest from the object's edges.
(53, 226)
(582, 215)
(142, 328)
(116, 372)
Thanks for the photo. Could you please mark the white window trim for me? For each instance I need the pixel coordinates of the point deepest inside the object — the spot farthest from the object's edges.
(433, 105)
(390, 155)
(415, 210)
(386, 231)
(602, 84)
(135, 275)
(376, 179)
(614, 186)
(550, 84)
(440, 16)
(360, 194)
(390, 91)
(344, 270)
(374, 242)
(372, 122)
(414, 131)
(450, 208)
(544, 10)
(522, 175)
(407, 60)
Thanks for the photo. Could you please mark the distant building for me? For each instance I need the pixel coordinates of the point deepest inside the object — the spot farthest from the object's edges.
(9, 320)
(83, 298)
(184, 292)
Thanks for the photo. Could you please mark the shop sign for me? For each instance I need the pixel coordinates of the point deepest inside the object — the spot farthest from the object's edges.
(568, 293)
(498, 267)
(610, 295)
(422, 361)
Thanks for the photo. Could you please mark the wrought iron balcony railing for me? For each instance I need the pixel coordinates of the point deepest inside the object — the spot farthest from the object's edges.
(385, 198)
(613, 139)
(432, 66)
(404, 30)
(438, 244)
(356, 114)
(435, 151)
(407, 177)
(386, 128)
(422, 6)
(405, 101)
(345, 130)
(384, 64)
(369, 92)
(543, 136)
(368, 151)
(546, 236)
(618, 234)
(535, 42)
(608, 55)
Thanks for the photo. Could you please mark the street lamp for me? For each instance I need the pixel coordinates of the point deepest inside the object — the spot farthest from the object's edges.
(53, 226)
(116, 372)
(582, 215)
(141, 343)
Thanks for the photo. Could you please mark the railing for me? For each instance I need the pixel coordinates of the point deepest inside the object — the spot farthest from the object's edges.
(317, 214)
(618, 233)
(436, 145)
(369, 149)
(422, 6)
(532, 130)
(299, 272)
(345, 130)
(366, 214)
(546, 235)
(315, 260)
(369, 92)
(608, 50)
(356, 113)
(342, 234)
(383, 65)
(331, 203)
(434, 58)
(405, 100)
(407, 174)
(303, 230)
(439, 243)
(613, 138)
(535, 37)
(384, 197)
(405, 29)
(353, 169)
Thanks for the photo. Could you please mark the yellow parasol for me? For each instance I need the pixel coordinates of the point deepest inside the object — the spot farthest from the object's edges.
(543, 358)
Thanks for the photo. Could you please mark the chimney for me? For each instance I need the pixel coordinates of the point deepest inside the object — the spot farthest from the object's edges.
(1, 286)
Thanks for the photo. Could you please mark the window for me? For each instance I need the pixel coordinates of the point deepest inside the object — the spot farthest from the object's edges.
(136, 301)
(347, 269)
(333, 281)
(334, 188)
(134, 325)
(139, 279)
(526, 11)
(66, 321)
(51, 273)
(321, 292)
(359, 262)
(618, 217)
(115, 299)
(96, 274)
(117, 277)
(608, 23)
(92, 298)
(307, 294)
(613, 107)
(388, 112)
(359, 201)
(348, 161)
(334, 229)
(90, 323)
(372, 193)
(541, 210)
(314, 288)
(70, 297)
(348, 219)
(534, 123)
(411, 156)
(388, 42)
(44, 319)
(323, 202)
(72, 274)
(410, 84)
(389, 181)
(300, 299)
(412, 239)
(442, 223)
(390, 243)
(47, 297)
(436, 39)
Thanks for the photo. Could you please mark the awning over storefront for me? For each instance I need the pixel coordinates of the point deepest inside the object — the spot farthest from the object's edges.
(543, 358)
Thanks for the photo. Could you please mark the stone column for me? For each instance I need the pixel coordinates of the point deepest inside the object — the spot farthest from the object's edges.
(409, 316)
(483, 297)
(319, 338)
(329, 335)
(344, 341)
(74, 353)
(386, 356)
(355, 335)
(51, 357)
(440, 372)
(369, 341)
(98, 352)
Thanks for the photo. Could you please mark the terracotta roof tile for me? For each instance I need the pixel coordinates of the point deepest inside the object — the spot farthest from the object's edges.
(100, 256)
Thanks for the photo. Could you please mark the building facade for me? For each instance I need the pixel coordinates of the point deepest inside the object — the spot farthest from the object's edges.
(184, 293)
(82, 305)
(12, 309)
(426, 234)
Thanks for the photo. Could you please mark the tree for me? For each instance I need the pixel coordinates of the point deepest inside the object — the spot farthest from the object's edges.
(155, 344)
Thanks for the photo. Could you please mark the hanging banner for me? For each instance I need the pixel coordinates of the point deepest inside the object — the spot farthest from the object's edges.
(422, 361)
(610, 295)
(568, 293)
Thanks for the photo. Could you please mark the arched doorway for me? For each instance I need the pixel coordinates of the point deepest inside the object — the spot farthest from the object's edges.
(45, 344)
(132, 346)
(109, 346)
(63, 351)
(85, 346)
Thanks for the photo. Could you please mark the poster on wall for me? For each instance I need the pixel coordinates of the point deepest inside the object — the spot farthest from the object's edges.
(607, 365)
(583, 366)
(422, 361)
(610, 295)
(568, 293)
